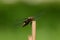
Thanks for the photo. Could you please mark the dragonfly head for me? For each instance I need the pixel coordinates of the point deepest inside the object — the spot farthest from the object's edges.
(32, 18)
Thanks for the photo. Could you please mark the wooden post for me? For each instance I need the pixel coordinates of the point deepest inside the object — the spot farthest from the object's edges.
(33, 36)
(33, 30)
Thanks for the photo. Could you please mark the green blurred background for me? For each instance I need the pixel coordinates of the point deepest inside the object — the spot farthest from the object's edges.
(48, 26)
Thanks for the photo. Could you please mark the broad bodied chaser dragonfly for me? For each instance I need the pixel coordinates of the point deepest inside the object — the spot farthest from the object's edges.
(28, 20)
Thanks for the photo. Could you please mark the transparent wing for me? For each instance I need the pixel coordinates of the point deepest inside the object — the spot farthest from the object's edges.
(19, 22)
(38, 15)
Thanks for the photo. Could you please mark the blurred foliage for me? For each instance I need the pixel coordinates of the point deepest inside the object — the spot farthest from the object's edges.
(48, 26)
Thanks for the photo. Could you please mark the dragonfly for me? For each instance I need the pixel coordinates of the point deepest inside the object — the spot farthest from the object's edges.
(24, 22)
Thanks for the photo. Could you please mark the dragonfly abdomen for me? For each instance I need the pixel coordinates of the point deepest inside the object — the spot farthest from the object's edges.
(26, 22)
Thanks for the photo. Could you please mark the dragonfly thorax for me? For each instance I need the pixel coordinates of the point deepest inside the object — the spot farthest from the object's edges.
(28, 20)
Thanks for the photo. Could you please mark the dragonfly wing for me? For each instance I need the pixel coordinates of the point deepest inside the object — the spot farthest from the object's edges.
(39, 15)
(19, 22)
